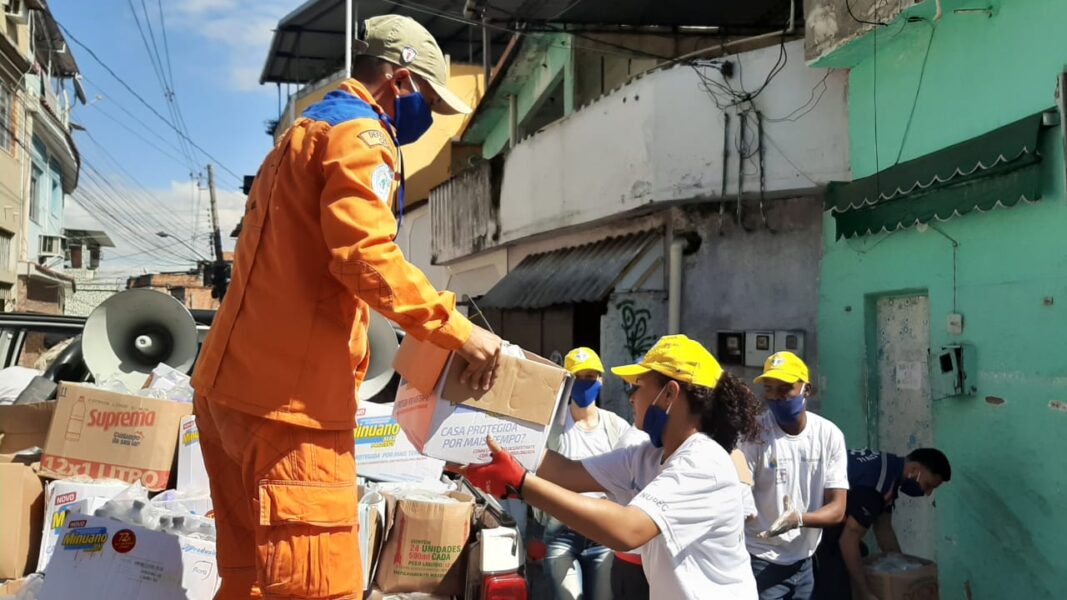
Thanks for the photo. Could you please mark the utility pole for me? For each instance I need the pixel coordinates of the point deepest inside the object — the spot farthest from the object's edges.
(220, 271)
(215, 233)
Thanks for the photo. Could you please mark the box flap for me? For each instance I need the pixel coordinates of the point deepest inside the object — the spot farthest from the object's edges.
(525, 389)
(24, 426)
(420, 363)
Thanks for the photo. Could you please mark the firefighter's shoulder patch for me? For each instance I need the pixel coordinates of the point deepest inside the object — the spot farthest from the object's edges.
(373, 137)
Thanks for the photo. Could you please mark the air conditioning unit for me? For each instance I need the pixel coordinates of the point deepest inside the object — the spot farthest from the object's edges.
(17, 11)
(51, 246)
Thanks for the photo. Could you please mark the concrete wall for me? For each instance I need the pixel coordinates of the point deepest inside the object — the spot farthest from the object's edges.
(1000, 525)
(831, 25)
(634, 321)
(660, 138)
(473, 276)
(758, 280)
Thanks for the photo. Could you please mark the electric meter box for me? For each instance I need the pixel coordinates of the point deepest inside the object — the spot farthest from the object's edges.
(759, 346)
(954, 372)
(789, 341)
(730, 347)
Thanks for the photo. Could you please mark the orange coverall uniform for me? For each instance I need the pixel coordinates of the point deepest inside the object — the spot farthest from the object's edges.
(277, 377)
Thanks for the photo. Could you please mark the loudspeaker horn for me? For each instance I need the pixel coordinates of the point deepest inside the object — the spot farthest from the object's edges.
(134, 331)
(383, 344)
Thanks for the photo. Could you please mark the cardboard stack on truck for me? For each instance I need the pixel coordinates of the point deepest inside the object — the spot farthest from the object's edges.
(105, 493)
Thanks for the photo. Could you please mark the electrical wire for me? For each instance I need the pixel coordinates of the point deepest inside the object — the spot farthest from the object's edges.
(848, 5)
(172, 223)
(156, 60)
(802, 110)
(140, 99)
(626, 51)
(918, 88)
(104, 205)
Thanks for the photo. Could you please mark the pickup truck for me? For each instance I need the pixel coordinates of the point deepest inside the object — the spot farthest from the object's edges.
(24, 337)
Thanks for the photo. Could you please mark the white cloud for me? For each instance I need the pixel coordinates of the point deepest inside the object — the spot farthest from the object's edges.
(170, 209)
(245, 27)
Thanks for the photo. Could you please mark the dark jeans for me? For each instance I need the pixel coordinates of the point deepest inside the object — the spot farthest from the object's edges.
(783, 582)
(628, 581)
(567, 549)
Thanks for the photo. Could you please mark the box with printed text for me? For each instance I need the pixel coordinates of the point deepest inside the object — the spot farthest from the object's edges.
(96, 557)
(59, 499)
(107, 435)
(449, 420)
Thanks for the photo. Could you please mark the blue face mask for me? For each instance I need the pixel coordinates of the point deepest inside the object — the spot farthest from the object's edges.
(585, 392)
(911, 487)
(788, 411)
(655, 421)
(413, 117)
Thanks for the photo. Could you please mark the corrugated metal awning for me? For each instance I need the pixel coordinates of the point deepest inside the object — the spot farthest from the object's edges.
(584, 273)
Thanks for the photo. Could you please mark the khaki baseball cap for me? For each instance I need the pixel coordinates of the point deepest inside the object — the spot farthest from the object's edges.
(404, 42)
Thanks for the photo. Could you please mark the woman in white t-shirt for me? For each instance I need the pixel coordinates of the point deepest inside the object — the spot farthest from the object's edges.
(588, 431)
(686, 515)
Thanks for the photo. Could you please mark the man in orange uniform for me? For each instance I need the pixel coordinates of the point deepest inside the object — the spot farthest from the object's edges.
(277, 377)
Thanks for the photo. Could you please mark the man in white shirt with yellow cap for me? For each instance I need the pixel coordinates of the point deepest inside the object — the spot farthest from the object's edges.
(799, 466)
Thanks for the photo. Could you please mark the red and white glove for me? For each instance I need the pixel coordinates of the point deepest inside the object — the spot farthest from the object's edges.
(502, 477)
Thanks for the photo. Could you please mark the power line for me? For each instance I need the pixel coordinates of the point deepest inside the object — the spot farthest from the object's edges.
(167, 210)
(138, 224)
(140, 99)
(460, 19)
(918, 88)
(157, 66)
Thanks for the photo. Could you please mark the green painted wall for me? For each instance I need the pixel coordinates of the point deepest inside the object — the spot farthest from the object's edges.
(1002, 529)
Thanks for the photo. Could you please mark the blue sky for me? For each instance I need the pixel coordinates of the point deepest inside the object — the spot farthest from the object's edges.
(217, 50)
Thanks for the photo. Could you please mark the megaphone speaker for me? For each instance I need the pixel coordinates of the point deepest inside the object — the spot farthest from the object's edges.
(382, 340)
(134, 331)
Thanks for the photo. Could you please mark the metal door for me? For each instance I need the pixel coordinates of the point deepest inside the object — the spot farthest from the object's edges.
(905, 415)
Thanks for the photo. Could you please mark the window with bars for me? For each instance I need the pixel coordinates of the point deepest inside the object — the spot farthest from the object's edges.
(6, 242)
(6, 121)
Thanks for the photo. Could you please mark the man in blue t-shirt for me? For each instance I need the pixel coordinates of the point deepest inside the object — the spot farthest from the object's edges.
(875, 479)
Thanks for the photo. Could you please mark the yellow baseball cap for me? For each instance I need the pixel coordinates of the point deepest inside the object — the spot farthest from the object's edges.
(404, 42)
(784, 366)
(582, 359)
(676, 357)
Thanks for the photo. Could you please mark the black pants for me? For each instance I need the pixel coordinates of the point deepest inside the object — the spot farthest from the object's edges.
(832, 581)
(628, 581)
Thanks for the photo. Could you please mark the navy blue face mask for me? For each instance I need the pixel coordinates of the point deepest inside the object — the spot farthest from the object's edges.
(585, 391)
(911, 487)
(787, 412)
(413, 117)
(655, 421)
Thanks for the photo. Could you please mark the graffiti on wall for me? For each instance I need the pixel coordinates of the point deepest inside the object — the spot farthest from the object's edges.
(635, 327)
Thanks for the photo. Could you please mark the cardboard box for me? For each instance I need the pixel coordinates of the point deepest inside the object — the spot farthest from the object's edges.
(59, 498)
(192, 476)
(24, 426)
(104, 558)
(425, 544)
(913, 584)
(11, 587)
(383, 453)
(448, 420)
(107, 435)
(21, 514)
(371, 533)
